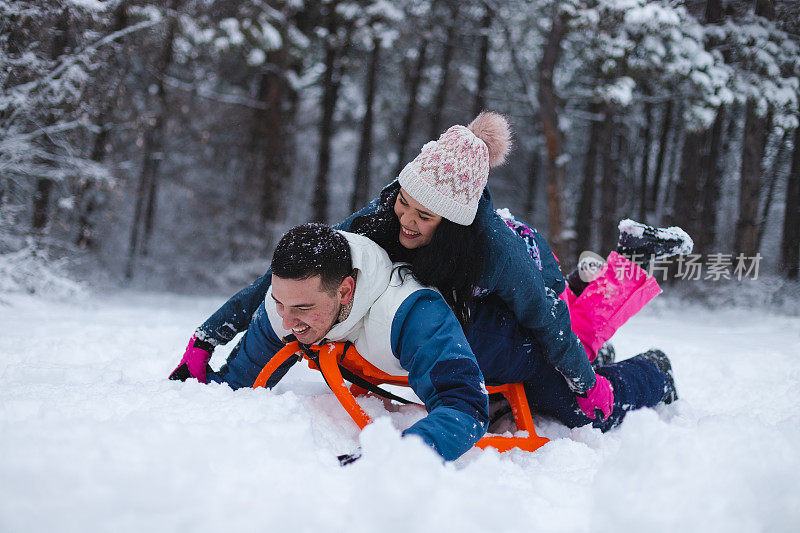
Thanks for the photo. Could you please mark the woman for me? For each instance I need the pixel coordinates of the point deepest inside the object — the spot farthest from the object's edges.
(438, 217)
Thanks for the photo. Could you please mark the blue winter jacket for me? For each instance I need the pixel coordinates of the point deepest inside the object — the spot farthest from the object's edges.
(529, 286)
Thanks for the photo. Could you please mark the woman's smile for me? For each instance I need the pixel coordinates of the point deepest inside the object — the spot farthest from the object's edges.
(407, 233)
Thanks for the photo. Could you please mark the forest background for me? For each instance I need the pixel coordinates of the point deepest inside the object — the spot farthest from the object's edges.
(169, 144)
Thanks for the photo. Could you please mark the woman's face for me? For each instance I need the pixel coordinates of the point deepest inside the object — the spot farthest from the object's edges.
(417, 224)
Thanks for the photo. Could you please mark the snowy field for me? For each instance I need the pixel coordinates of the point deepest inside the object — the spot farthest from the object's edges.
(93, 437)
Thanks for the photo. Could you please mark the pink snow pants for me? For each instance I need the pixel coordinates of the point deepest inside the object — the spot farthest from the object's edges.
(620, 291)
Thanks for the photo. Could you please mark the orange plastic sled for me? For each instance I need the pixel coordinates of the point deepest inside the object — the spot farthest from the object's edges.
(331, 355)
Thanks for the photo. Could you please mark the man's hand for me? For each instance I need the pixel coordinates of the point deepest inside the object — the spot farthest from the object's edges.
(601, 397)
(194, 363)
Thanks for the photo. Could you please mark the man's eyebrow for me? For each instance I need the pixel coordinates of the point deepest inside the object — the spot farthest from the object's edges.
(295, 305)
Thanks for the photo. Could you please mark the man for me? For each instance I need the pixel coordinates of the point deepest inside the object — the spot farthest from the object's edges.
(329, 285)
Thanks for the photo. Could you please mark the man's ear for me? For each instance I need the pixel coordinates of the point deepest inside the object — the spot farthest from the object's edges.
(346, 290)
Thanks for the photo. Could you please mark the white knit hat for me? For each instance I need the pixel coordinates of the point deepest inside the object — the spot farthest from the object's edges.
(449, 175)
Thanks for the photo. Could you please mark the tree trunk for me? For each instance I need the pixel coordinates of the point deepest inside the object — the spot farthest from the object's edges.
(138, 209)
(608, 188)
(626, 159)
(413, 95)
(584, 218)
(152, 189)
(674, 155)
(765, 8)
(549, 104)
(276, 160)
(331, 80)
(712, 173)
(411, 107)
(686, 202)
(483, 63)
(666, 126)
(41, 204)
(164, 63)
(710, 170)
(447, 58)
(362, 177)
(320, 201)
(87, 206)
(772, 182)
(790, 242)
(86, 198)
(62, 41)
(147, 190)
(755, 132)
(268, 159)
(533, 179)
(644, 171)
(714, 11)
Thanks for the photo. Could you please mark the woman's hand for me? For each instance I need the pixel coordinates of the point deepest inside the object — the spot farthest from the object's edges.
(194, 363)
(600, 397)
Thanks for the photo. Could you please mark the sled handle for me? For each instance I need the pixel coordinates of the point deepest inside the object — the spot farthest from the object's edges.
(330, 369)
(277, 360)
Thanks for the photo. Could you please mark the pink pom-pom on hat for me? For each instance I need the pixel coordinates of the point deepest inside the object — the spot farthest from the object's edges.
(494, 131)
(449, 175)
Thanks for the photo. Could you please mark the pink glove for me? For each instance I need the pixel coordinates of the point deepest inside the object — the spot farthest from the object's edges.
(194, 363)
(601, 397)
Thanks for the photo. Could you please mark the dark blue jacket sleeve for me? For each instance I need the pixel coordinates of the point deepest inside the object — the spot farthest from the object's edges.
(429, 343)
(510, 272)
(370, 208)
(234, 316)
(254, 351)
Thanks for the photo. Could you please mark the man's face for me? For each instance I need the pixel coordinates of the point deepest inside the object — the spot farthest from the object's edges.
(306, 308)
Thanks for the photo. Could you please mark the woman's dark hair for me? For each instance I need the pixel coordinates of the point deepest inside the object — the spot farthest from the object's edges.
(451, 262)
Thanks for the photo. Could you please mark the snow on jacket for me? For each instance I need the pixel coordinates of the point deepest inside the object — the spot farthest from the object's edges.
(529, 287)
(401, 327)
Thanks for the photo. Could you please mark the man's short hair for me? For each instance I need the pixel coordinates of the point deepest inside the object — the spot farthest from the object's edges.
(312, 250)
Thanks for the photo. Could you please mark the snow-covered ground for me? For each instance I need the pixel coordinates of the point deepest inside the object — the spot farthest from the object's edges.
(93, 437)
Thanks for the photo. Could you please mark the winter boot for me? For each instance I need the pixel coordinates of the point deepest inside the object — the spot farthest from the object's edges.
(500, 414)
(660, 359)
(642, 243)
(589, 268)
(605, 356)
